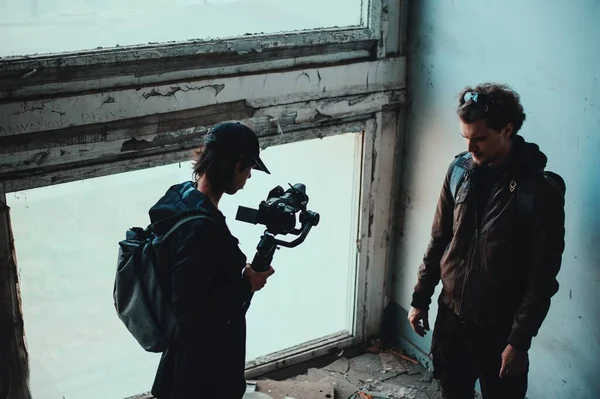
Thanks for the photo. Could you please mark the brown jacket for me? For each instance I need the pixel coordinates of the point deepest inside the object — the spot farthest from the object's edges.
(496, 264)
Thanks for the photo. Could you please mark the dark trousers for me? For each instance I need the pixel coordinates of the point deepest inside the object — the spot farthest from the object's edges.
(465, 352)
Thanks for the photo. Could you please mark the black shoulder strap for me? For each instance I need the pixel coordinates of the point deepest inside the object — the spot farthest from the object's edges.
(556, 181)
(527, 191)
(526, 196)
(458, 171)
(182, 221)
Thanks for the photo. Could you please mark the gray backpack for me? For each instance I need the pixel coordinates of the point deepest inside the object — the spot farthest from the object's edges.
(142, 295)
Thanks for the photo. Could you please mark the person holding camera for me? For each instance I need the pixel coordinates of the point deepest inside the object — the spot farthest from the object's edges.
(211, 279)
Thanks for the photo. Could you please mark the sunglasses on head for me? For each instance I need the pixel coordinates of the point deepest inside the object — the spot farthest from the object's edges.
(480, 100)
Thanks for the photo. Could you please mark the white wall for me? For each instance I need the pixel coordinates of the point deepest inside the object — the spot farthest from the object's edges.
(549, 51)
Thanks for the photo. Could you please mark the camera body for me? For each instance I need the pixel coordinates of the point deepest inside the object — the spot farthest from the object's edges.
(278, 211)
(278, 214)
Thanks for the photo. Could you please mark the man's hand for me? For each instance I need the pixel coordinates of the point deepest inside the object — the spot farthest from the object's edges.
(514, 362)
(257, 279)
(418, 321)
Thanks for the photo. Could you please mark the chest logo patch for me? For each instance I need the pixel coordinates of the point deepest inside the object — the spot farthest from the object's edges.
(512, 185)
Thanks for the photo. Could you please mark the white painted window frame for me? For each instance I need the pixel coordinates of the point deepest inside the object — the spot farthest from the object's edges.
(347, 80)
(380, 135)
(27, 77)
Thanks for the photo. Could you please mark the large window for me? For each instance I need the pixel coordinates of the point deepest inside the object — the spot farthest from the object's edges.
(33, 26)
(66, 238)
(90, 88)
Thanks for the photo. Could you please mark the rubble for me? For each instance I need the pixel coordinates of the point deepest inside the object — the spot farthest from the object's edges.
(381, 373)
(268, 389)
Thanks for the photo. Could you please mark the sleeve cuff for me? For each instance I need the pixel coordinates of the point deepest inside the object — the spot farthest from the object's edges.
(519, 340)
(246, 286)
(419, 301)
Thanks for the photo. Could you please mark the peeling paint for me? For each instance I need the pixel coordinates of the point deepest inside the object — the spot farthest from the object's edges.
(102, 69)
(287, 118)
(320, 116)
(355, 100)
(30, 73)
(218, 88)
(134, 144)
(307, 76)
(155, 93)
(109, 100)
(164, 133)
(259, 91)
(38, 159)
(105, 163)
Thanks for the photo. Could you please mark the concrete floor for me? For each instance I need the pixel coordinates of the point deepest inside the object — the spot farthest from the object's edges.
(382, 375)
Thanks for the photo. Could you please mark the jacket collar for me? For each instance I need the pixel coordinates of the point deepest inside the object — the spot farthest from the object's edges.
(513, 163)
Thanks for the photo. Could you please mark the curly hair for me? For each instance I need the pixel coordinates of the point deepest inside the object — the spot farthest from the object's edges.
(495, 103)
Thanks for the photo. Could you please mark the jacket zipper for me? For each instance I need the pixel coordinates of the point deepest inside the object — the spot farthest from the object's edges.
(474, 240)
(501, 179)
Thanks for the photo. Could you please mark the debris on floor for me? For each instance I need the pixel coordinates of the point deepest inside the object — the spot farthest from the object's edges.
(289, 390)
(381, 373)
(391, 363)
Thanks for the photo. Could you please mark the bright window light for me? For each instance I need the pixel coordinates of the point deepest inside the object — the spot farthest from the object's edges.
(66, 239)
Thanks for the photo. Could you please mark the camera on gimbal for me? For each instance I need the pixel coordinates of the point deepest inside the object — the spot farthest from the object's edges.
(278, 214)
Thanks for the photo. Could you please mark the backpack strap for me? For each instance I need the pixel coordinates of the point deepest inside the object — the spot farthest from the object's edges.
(526, 196)
(528, 187)
(458, 171)
(183, 221)
(556, 181)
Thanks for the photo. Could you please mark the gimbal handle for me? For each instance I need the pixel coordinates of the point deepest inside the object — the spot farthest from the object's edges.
(268, 244)
(264, 253)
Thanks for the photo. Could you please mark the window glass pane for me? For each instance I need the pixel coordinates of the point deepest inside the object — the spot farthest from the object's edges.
(34, 26)
(66, 238)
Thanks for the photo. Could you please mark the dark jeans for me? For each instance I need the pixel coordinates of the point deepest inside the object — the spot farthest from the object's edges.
(464, 352)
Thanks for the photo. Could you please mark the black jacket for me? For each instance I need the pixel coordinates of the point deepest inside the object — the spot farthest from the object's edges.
(210, 292)
(496, 266)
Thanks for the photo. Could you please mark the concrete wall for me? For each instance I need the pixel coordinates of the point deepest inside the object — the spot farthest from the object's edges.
(549, 51)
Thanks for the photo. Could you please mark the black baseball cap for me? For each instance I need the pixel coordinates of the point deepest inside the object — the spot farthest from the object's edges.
(238, 139)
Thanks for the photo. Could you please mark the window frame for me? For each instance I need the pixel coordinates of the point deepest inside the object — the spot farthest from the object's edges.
(378, 175)
(374, 107)
(32, 76)
(380, 141)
